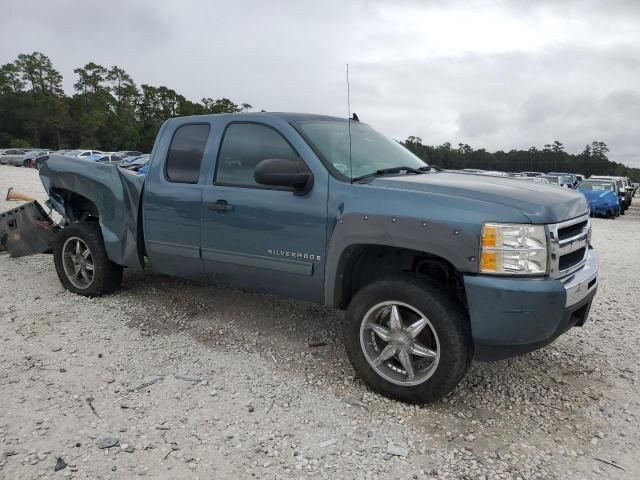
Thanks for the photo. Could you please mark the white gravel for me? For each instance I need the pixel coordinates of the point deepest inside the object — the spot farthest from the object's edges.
(235, 391)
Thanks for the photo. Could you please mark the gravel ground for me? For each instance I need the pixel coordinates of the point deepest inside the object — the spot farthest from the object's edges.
(189, 381)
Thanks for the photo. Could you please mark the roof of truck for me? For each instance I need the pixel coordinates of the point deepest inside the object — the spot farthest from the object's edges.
(286, 116)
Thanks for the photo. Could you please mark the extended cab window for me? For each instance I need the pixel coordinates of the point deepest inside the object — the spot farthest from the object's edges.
(185, 153)
(243, 147)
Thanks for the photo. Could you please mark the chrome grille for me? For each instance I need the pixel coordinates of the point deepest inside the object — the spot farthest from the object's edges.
(568, 245)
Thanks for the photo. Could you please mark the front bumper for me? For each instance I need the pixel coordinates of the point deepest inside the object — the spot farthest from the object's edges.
(512, 316)
(602, 209)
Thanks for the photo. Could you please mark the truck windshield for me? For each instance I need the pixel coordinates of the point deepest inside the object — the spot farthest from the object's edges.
(370, 150)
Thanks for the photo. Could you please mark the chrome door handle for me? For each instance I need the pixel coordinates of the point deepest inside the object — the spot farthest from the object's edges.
(220, 206)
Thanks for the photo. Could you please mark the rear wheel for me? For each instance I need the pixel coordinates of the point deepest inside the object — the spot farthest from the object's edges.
(408, 339)
(81, 261)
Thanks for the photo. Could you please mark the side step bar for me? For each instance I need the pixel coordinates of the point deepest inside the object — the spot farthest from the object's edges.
(26, 230)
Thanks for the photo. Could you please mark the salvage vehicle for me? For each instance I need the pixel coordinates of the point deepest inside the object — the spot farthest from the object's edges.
(84, 154)
(433, 268)
(557, 180)
(569, 179)
(18, 158)
(625, 195)
(601, 196)
(631, 191)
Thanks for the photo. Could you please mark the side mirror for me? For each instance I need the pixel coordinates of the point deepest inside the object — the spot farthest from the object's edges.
(277, 172)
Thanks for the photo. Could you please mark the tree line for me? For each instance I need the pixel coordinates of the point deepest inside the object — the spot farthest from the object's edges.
(592, 160)
(108, 111)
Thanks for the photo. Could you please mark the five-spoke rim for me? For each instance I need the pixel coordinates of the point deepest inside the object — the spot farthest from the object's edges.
(400, 343)
(77, 262)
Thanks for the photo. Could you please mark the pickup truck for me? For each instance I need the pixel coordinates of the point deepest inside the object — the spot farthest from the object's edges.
(433, 268)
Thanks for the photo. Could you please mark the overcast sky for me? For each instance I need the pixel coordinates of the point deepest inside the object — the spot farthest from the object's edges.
(492, 74)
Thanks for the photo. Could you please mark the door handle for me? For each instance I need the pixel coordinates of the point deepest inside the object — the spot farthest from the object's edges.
(220, 206)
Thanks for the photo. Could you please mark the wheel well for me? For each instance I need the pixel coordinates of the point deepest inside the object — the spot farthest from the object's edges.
(77, 207)
(361, 265)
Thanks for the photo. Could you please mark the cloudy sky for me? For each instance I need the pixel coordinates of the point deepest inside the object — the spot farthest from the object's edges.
(493, 74)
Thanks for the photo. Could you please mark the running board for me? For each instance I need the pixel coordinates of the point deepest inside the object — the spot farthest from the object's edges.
(26, 230)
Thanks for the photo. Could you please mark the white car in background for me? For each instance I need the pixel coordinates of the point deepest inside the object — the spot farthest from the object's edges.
(83, 153)
(18, 157)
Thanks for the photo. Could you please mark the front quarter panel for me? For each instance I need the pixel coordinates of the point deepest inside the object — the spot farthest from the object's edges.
(438, 224)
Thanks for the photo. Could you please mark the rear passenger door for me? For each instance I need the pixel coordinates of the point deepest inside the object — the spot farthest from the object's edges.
(173, 198)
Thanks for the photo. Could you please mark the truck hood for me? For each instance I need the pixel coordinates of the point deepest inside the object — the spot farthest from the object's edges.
(539, 202)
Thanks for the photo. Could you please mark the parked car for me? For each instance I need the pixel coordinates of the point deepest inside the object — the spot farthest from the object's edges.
(433, 268)
(103, 158)
(630, 189)
(558, 180)
(83, 153)
(133, 163)
(127, 153)
(111, 159)
(624, 194)
(602, 197)
(532, 174)
(568, 179)
(534, 179)
(130, 160)
(18, 158)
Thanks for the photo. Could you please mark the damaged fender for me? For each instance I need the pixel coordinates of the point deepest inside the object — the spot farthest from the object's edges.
(115, 193)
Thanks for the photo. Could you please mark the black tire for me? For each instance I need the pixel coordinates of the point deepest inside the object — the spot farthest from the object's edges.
(106, 277)
(448, 320)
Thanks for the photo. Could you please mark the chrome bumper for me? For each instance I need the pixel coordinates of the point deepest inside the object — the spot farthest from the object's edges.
(582, 282)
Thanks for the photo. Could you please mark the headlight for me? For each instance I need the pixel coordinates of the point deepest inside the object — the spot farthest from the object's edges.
(511, 249)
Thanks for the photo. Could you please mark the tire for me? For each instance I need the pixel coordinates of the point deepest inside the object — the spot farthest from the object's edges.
(447, 334)
(105, 276)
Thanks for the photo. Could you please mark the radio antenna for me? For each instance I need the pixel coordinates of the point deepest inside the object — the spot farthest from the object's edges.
(349, 123)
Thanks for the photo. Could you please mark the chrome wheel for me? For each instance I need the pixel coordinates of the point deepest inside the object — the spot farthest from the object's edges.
(400, 343)
(77, 262)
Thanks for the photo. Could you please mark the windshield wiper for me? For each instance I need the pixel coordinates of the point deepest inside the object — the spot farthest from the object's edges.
(387, 171)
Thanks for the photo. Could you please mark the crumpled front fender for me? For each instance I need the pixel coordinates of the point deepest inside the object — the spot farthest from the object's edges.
(115, 193)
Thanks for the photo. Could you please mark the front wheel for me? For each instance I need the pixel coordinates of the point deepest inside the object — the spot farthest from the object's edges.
(81, 261)
(408, 339)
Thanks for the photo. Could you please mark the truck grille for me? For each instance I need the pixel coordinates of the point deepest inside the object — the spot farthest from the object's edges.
(568, 244)
(571, 259)
(571, 230)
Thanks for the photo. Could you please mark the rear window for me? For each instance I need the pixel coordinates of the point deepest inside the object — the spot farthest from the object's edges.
(185, 153)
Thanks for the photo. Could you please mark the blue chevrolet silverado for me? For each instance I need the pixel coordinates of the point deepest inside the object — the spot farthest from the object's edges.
(433, 268)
